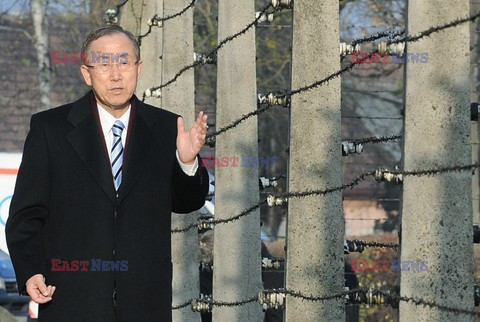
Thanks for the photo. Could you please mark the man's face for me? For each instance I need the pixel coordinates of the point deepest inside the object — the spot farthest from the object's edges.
(114, 88)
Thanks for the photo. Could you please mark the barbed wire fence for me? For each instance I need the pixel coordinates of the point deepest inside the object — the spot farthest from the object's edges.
(275, 298)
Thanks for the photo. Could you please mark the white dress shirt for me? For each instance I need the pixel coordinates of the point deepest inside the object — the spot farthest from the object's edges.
(107, 120)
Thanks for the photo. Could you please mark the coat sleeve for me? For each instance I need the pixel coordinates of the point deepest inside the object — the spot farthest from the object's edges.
(189, 192)
(29, 208)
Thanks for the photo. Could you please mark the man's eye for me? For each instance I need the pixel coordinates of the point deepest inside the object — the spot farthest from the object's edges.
(104, 65)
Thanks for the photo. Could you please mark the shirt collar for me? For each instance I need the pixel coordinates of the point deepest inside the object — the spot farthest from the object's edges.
(107, 120)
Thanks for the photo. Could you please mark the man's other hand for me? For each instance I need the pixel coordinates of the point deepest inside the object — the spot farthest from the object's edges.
(38, 291)
(190, 142)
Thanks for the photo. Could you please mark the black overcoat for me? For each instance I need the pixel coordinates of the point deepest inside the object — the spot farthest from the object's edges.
(65, 208)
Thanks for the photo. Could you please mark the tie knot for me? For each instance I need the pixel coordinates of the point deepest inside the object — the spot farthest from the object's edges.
(118, 128)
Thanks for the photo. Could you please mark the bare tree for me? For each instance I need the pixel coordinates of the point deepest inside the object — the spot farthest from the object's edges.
(40, 25)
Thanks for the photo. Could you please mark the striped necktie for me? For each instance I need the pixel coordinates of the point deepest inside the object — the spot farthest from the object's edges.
(117, 153)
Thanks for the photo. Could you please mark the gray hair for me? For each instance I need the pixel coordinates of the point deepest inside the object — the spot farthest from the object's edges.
(109, 30)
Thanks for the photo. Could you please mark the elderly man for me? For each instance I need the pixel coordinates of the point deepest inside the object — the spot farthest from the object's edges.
(89, 224)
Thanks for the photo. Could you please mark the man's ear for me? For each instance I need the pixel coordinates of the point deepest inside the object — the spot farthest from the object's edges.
(86, 75)
(139, 69)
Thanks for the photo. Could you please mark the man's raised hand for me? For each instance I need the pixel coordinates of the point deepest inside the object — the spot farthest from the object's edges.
(190, 142)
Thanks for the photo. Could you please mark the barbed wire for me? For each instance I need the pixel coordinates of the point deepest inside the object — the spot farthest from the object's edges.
(247, 211)
(215, 50)
(235, 303)
(216, 303)
(318, 192)
(407, 38)
(244, 117)
(372, 117)
(381, 139)
(367, 218)
(390, 34)
(429, 172)
(321, 82)
(376, 244)
(313, 298)
(322, 192)
(155, 20)
(121, 5)
(356, 296)
(390, 296)
(428, 32)
(221, 221)
(419, 301)
(255, 298)
(182, 305)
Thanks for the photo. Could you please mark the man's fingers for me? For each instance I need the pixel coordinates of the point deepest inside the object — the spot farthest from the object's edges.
(42, 299)
(198, 122)
(51, 289)
(37, 282)
(201, 119)
(43, 289)
(37, 296)
(202, 122)
(180, 125)
(38, 291)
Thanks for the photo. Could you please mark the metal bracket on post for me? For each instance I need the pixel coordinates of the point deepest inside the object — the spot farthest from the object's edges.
(204, 59)
(385, 175)
(268, 263)
(205, 224)
(267, 182)
(272, 99)
(285, 4)
(351, 246)
(346, 49)
(110, 17)
(155, 93)
(276, 201)
(202, 305)
(384, 47)
(371, 297)
(154, 21)
(210, 141)
(206, 266)
(265, 17)
(351, 147)
(271, 299)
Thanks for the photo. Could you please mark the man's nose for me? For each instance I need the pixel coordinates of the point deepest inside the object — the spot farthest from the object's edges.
(115, 73)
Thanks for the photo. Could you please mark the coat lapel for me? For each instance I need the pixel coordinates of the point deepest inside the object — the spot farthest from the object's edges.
(87, 141)
(140, 145)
